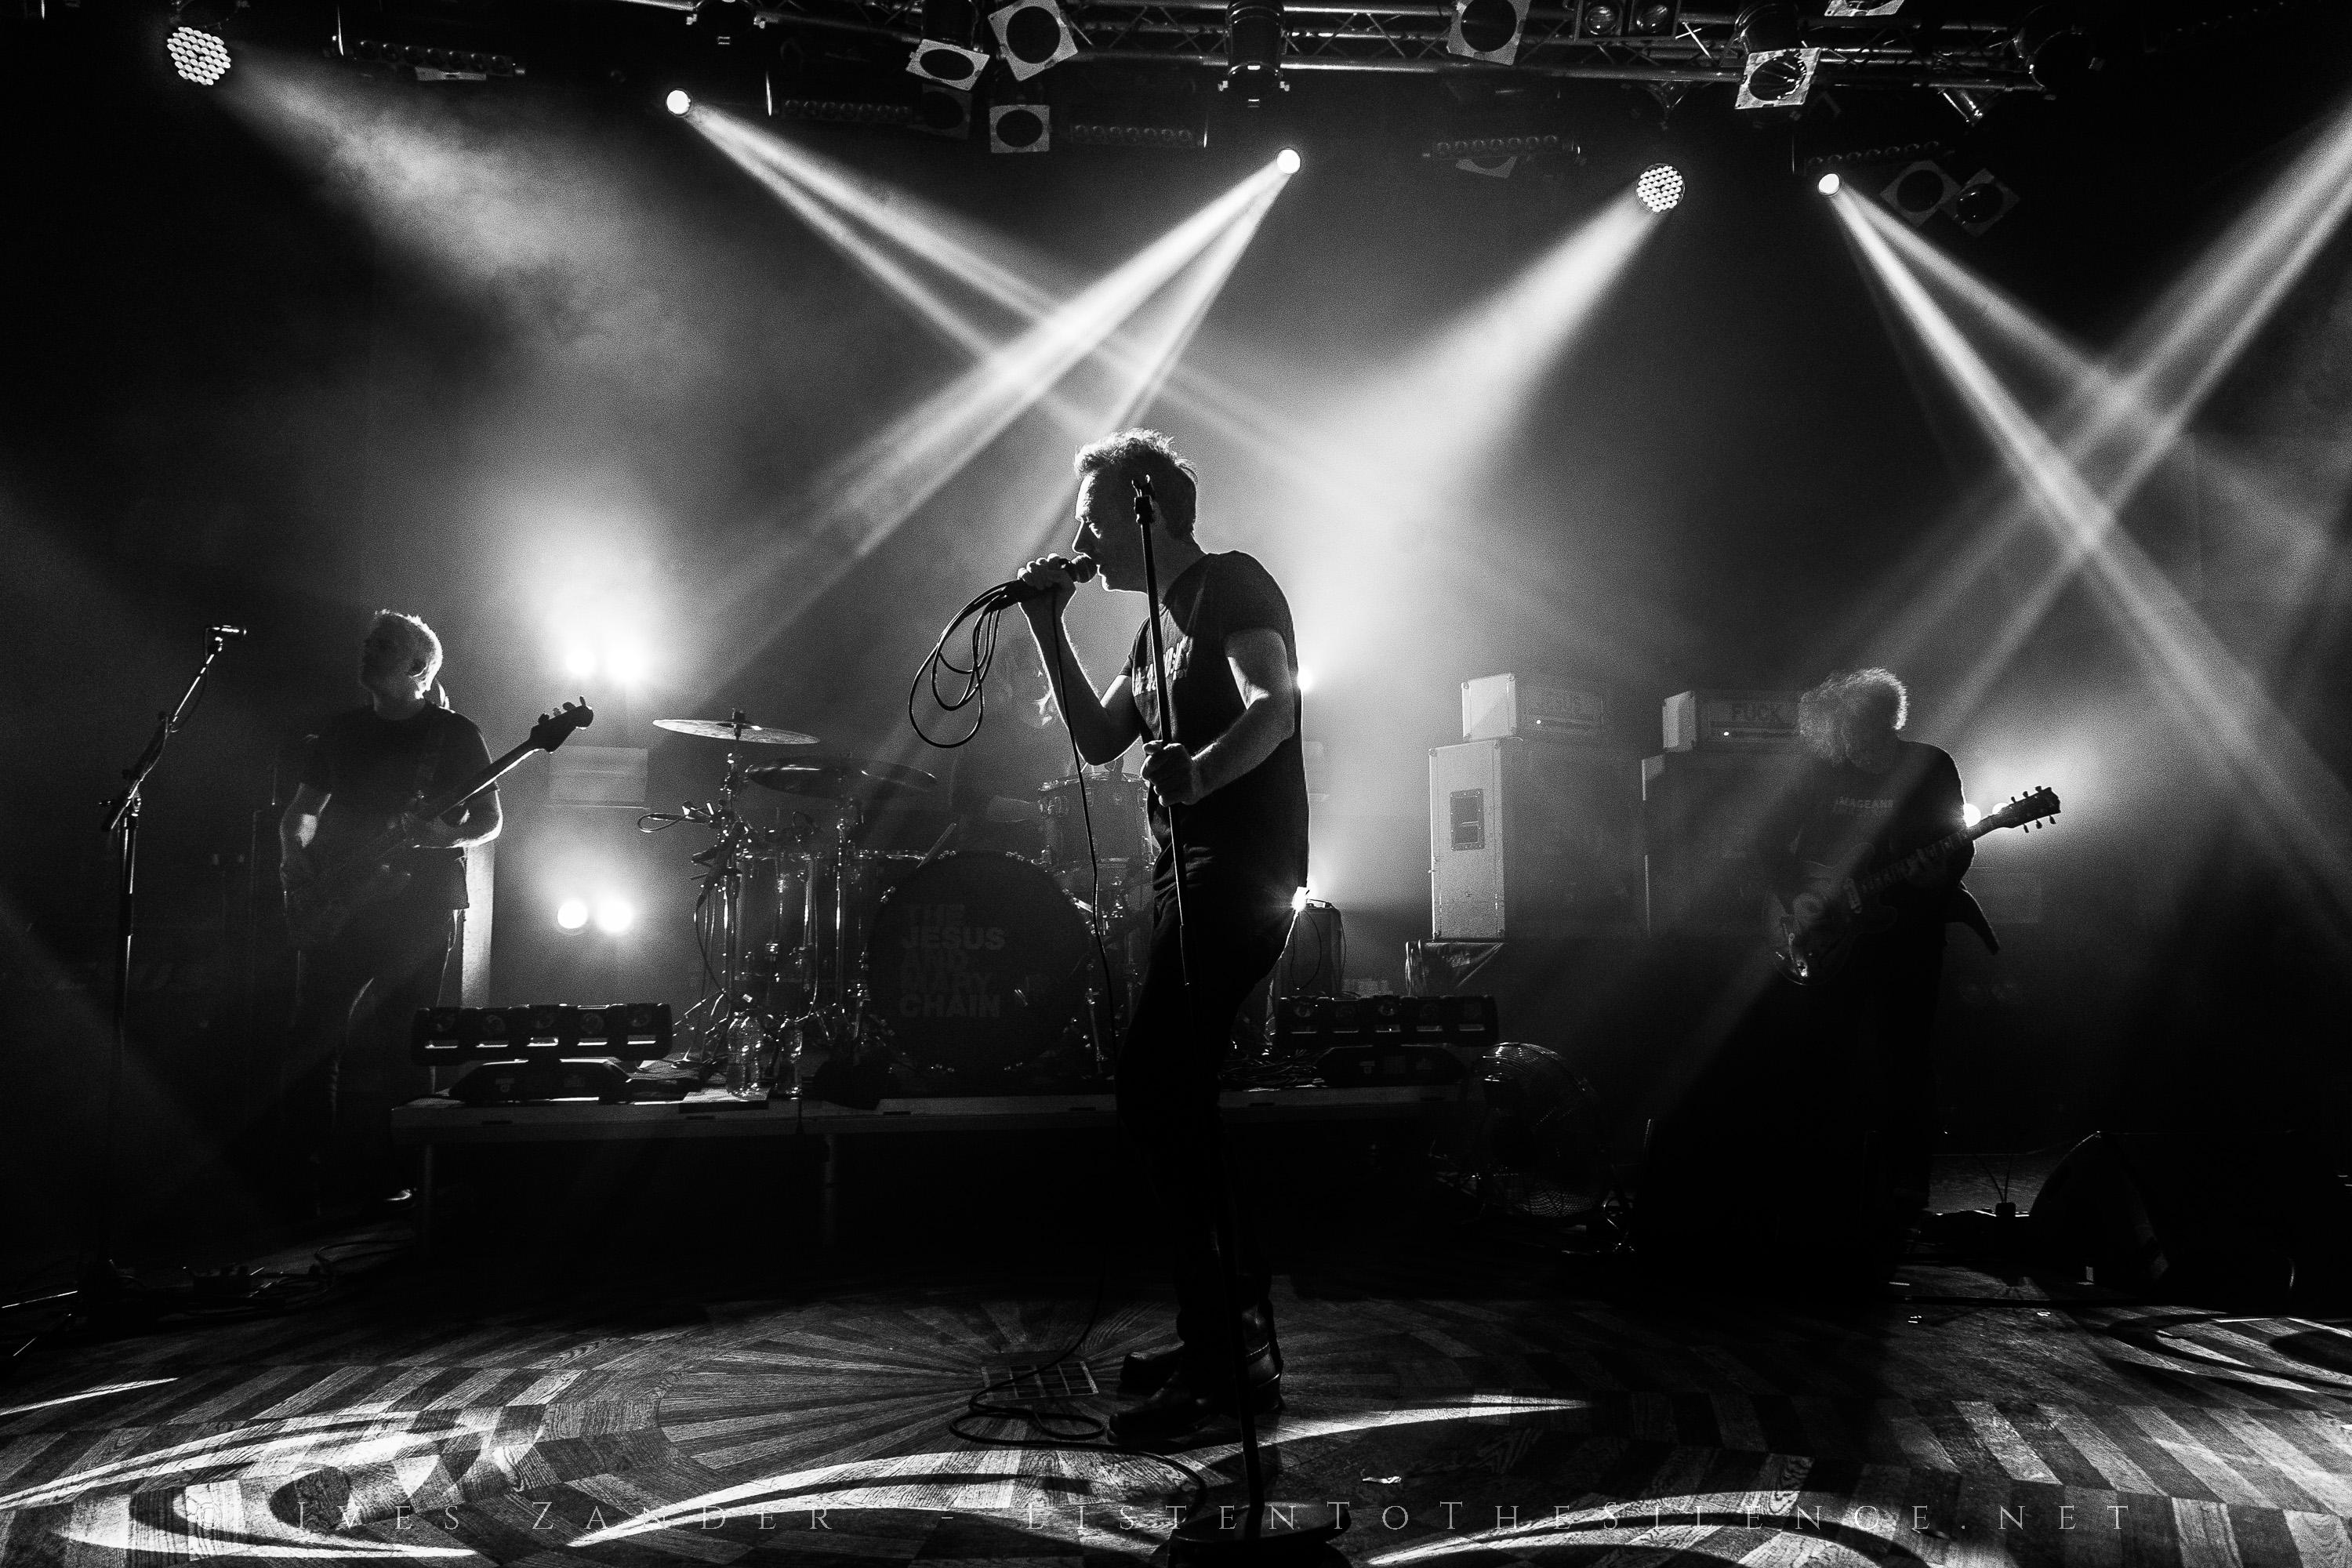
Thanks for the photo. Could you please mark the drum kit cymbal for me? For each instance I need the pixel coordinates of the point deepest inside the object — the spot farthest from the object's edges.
(955, 973)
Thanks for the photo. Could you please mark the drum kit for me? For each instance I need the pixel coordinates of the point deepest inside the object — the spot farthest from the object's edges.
(952, 973)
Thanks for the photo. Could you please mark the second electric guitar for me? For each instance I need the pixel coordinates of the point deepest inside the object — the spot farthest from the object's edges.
(1812, 932)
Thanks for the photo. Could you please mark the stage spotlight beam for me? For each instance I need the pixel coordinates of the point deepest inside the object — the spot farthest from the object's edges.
(1415, 446)
(2118, 427)
(678, 100)
(986, 264)
(2244, 737)
(867, 496)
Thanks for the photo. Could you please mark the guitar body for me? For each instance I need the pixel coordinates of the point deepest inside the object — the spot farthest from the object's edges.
(1812, 932)
(316, 912)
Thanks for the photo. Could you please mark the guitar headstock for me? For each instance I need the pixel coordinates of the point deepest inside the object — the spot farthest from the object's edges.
(2023, 811)
(553, 729)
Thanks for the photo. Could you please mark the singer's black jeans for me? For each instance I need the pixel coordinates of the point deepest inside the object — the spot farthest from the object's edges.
(355, 998)
(1167, 1092)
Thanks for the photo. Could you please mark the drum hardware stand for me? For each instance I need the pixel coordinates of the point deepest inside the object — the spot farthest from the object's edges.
(723, 873)
(1260, 1537)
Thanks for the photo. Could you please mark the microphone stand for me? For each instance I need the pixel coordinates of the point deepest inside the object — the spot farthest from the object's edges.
(99, 1275)
(1258, 1538)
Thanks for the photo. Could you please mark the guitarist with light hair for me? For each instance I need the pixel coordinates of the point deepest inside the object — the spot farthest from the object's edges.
(357, 989)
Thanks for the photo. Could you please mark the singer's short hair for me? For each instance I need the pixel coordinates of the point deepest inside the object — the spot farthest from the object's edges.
(1835, 715)
(417, 640)
(1148, 454)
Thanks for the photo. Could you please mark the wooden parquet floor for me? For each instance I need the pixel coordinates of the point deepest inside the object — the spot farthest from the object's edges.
(1464, 1426)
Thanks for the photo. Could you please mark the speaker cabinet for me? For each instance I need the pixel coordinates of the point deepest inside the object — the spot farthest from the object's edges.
(1532, 839)
(1706, 823)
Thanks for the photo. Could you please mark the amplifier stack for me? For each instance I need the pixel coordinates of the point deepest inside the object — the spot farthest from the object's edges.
(1539, 829)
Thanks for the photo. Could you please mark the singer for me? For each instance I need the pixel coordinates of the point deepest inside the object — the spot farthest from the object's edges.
(1238, 784)
(354, 995)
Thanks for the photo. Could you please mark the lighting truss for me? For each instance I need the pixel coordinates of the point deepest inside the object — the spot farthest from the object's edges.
(1411, 36)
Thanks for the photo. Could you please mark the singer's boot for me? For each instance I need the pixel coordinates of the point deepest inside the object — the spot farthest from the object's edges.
(1146, 1372)
(1198, 1403)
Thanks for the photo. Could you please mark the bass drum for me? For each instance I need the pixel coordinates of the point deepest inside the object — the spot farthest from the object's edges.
(976, 970)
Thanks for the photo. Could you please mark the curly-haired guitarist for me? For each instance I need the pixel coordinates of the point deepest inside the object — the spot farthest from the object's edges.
(1870, 799)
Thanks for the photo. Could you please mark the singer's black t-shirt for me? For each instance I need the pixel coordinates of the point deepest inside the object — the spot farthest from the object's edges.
(371, 768)
(1249, 837)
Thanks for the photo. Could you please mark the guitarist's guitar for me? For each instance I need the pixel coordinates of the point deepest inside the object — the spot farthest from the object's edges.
(1812, 932)
(366, 873)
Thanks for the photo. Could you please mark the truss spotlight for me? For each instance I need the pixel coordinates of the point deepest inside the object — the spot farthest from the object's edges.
(1827, 185)
(2058, 48)
(1020, 128)
(678, 102)
(571, 914)
(1653, 18)
(614, 916)
(1768, 26)
(1287, 160)
(1920, 191)
(1600, 19)
(1660, 187)
(1863, 7)
(1778, 78)
(1254, 43)
(1033, 35)
(197, 56)
(1982, 203)
(943, 110)
(951, 64)
(1779, 69)
(1486, 29)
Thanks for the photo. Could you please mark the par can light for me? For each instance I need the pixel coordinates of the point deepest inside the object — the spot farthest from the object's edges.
(678, 102)
(1827, 185)
(199, 57)
(1660, 187)
(571, 914)
(1286, 160)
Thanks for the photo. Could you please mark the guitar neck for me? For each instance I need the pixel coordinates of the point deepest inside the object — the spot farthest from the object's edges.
(392, 838)
(442, 806)
(1925, 855)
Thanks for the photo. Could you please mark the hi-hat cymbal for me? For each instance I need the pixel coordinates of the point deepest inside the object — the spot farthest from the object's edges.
(741, 734)
(841, 778)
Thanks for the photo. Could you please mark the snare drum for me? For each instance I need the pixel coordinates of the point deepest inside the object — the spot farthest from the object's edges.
(976, 976)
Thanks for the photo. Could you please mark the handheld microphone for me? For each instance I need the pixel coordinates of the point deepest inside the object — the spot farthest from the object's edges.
(1082, 568)
(228, 632)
